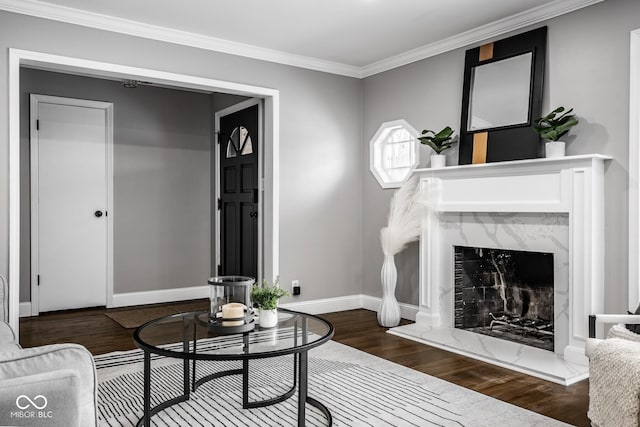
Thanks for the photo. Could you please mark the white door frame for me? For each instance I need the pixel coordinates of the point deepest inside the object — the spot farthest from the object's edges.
(271, 97)
(217, 115)
(34, 142)
(634, 172)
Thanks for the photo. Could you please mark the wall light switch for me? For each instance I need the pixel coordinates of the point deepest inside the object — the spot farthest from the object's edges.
(295, 286)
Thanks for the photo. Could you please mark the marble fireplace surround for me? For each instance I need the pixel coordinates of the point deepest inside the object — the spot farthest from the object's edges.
(546, 205)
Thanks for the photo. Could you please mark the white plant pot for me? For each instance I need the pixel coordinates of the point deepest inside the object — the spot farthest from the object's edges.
(438, 161)
(268, 318)
(554, 149)
(389, 310)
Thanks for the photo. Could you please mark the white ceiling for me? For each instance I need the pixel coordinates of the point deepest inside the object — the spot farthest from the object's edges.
(351, 34)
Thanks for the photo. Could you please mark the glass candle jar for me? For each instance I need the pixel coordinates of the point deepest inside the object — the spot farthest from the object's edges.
(230, 304)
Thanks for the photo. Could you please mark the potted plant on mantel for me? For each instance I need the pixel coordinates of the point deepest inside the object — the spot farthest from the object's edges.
(439, 142)
(554, 126)
(266, 298)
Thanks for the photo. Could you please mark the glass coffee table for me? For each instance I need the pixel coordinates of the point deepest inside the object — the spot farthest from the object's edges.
(187, 336)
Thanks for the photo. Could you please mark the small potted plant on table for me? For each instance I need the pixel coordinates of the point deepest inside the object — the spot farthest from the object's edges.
(554, 126)
(439, 142)
(266, 298)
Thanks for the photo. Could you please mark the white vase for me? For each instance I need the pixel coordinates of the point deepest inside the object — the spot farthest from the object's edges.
(268, 318)
(438, 161)
(389, 310)
(554, 149)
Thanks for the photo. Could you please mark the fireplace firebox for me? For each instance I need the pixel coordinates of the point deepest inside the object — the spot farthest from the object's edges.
(507, 294)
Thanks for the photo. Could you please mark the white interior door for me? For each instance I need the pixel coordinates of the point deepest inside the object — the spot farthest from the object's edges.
(69, 202)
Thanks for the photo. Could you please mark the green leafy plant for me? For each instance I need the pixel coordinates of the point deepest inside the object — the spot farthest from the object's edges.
(438, 142)
(265, 296)
(555, 125)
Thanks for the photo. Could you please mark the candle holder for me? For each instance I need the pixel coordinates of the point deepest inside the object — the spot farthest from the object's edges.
(230, 304)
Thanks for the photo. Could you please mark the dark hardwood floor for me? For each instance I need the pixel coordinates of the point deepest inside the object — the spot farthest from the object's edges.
(355, 328)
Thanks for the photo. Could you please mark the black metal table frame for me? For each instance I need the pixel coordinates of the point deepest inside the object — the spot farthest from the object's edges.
(300, 369)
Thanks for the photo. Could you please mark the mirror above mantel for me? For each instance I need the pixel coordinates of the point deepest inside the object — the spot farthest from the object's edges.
(502, 94)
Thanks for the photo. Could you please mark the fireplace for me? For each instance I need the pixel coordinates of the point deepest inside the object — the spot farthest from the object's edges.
(550, 207)
(506, 294)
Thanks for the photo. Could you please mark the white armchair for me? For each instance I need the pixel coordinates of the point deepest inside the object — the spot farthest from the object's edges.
(52, 385)
(614, 371)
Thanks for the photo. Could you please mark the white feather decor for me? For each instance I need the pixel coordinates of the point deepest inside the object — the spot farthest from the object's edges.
(405, 218)
(408, 205)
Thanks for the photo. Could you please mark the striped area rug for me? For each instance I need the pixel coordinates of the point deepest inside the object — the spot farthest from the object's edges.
(359, 390)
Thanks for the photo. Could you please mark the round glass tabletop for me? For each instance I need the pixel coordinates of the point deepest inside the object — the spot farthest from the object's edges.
(188, 336)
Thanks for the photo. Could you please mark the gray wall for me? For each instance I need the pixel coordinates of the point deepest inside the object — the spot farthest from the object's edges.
(220, 101)
(162, 141)
(331, 206)
(587, 68)
(320, 143)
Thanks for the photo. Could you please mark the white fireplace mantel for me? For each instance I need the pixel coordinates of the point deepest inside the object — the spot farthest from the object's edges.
(571, 188)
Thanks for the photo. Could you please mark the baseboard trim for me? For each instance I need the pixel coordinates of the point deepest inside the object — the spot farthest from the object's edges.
(407, 311)
(25, 309)
(326, 305)
(316, 306)
(160, 296)
(350, 302)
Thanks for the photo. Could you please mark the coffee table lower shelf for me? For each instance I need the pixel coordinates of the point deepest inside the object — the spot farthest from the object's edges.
(300, 383)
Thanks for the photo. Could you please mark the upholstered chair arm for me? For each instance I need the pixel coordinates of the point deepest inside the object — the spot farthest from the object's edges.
(6, 334)
(614, 383)
(64, 369)
(45, 399)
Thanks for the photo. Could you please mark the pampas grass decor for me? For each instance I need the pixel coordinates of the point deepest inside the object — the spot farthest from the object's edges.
(405, 218)
(403, 227)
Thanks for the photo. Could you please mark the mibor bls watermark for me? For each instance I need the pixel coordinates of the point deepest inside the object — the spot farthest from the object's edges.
(31, 408)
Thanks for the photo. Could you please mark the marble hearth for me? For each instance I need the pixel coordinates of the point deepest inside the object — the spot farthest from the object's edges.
(544, 205)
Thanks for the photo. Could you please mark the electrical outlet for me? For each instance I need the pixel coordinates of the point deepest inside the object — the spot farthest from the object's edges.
(295, 286)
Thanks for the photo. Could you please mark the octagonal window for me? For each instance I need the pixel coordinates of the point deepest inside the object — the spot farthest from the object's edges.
(394, 153)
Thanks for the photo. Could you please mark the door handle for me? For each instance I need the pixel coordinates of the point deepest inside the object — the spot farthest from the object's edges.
(98, 214)
(253, 214)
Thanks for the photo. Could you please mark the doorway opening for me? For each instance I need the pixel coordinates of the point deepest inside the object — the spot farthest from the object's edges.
(269, 174)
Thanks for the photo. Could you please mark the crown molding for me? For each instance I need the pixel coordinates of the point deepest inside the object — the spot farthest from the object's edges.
(493, 29)
(99, 21)
(83, 18)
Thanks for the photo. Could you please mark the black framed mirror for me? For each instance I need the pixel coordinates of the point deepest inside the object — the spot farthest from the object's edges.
(502, 94)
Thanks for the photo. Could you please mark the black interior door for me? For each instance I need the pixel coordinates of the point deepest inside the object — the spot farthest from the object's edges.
(238, 204)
